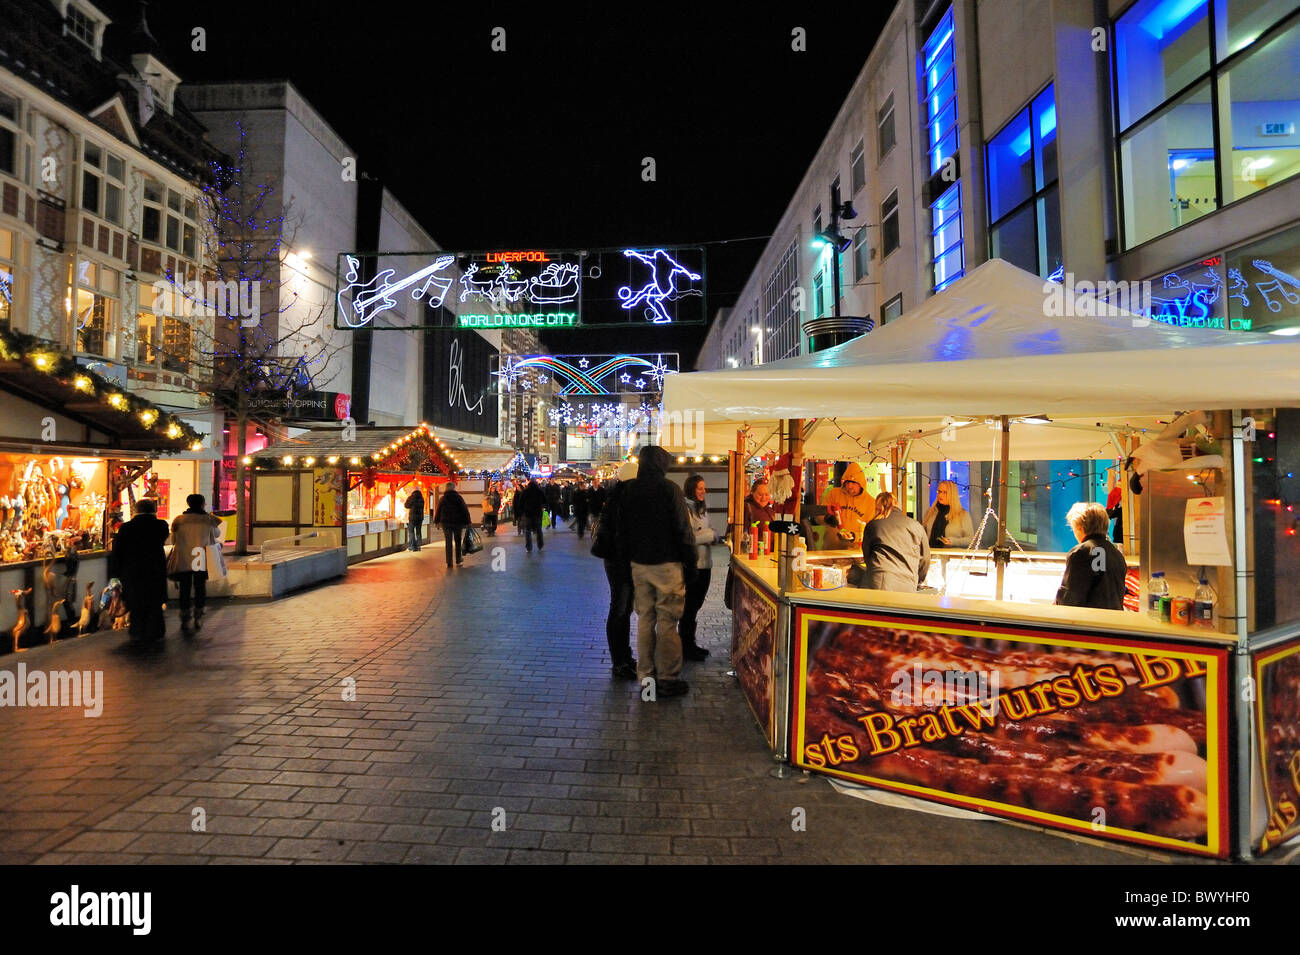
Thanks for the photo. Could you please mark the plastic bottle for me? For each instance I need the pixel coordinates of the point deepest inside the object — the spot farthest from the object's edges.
(1157, 588)
(1203, 606)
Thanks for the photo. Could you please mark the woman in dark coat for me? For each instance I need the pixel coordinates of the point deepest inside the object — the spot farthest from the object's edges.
(138, 560)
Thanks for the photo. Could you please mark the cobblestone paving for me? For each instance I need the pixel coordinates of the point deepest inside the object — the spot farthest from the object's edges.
(478, 695)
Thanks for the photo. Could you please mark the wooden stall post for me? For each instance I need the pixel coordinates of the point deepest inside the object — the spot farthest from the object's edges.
(787, 575)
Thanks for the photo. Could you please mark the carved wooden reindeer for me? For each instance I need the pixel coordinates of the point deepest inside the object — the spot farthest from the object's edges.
(24, 621)
(49, 580)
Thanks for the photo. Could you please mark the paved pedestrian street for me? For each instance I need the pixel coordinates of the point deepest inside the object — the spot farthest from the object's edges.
(412, 714)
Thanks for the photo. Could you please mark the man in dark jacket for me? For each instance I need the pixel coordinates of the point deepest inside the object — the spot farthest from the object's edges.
(138, 560)
(453, 516)
(414, 519)
(531, 502)
(656, 529)
(609, 546)
(896, 549)
(1095, 571)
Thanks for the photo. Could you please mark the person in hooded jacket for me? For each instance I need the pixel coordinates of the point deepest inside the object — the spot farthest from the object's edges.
(661, 549)
(414, 505)
(612, 549)
(848, 507)
(453, 516)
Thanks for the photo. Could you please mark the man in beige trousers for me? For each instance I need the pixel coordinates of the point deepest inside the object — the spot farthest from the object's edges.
(656, 528)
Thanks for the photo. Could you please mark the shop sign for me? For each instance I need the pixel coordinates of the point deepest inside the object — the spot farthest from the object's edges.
(1114, 738)
(308, 406)
(753, 642)
(1277, 726)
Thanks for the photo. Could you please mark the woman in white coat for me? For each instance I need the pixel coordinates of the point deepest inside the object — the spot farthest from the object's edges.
(193, 532)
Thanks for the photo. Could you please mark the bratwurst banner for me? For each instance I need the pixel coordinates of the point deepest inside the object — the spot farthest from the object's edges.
(1115, 738)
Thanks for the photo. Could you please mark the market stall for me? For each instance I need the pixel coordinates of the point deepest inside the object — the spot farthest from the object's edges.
(347, 484)
(980, 692)
(76, 452)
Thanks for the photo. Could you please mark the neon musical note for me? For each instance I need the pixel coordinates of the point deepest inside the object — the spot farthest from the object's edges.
(364, 300)
(1276, 285)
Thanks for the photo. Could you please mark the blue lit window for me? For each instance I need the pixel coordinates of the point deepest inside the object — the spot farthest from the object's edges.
(946, 237)
(940, 93)
(1194, 80)
(1024, 208)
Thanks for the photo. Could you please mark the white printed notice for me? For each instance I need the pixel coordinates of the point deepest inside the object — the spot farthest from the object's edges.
(1204, 533)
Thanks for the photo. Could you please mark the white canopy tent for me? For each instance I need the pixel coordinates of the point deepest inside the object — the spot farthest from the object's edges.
(993, 343)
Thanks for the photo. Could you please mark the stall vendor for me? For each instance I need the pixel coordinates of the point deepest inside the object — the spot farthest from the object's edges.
(895, 549)
(946, 522)
(1095, 569)
(847, 507)
(759, 508)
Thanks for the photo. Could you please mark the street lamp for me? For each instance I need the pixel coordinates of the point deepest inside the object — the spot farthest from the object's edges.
(758, 330)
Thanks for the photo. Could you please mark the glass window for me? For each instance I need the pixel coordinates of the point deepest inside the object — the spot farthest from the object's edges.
(946, 238)
(153, 191)
(1168, 168)
(817, 220)
(1161, 46)
(889, 236)
(90, 191)
(819, 295)
(857, 168)
(6, 278)
(1023, 204)
(113, 204)
(940, 88)
(1259, 141)
(860, 253)
(173, 233)
(1263, 285)
(8, 150)
(174, 201)
(177, 340)
(8, 108)
(1238, 23)
(187, 241)
(95, 314)
(80, 26)
(893, 308)
(115, 167)
(93, 154)
(151, 224)
(885, 126)
(1170, 143)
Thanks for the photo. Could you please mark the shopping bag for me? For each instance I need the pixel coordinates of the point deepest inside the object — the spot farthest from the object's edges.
(473, 541)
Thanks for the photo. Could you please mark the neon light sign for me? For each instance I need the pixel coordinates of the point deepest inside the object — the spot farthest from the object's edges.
(662, 286)
(519, 320)
(587, 374)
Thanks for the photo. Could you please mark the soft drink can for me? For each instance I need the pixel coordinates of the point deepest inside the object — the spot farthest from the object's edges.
(1180, 611)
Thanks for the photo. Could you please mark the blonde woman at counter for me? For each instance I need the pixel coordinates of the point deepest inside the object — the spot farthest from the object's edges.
(947, 523)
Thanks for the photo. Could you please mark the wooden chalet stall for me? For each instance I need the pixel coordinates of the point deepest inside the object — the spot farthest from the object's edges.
(347, 486)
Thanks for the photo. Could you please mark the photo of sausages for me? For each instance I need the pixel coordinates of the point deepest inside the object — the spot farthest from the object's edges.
(1133, 756)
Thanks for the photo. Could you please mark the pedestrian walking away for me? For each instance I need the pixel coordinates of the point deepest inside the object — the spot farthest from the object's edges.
(661, 550)
(531, 503)
(581, 508)
(414, 519)
(196, 549)
(698, 587)
(140, 563)
(612, 549)
(452, 516)
(554, 500)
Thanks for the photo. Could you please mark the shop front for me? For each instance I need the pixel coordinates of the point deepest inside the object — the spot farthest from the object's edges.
(1168, 724)
(76, 452)
(347, 487)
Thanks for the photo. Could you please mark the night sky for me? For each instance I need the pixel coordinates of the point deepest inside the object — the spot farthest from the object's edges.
(541, 146)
